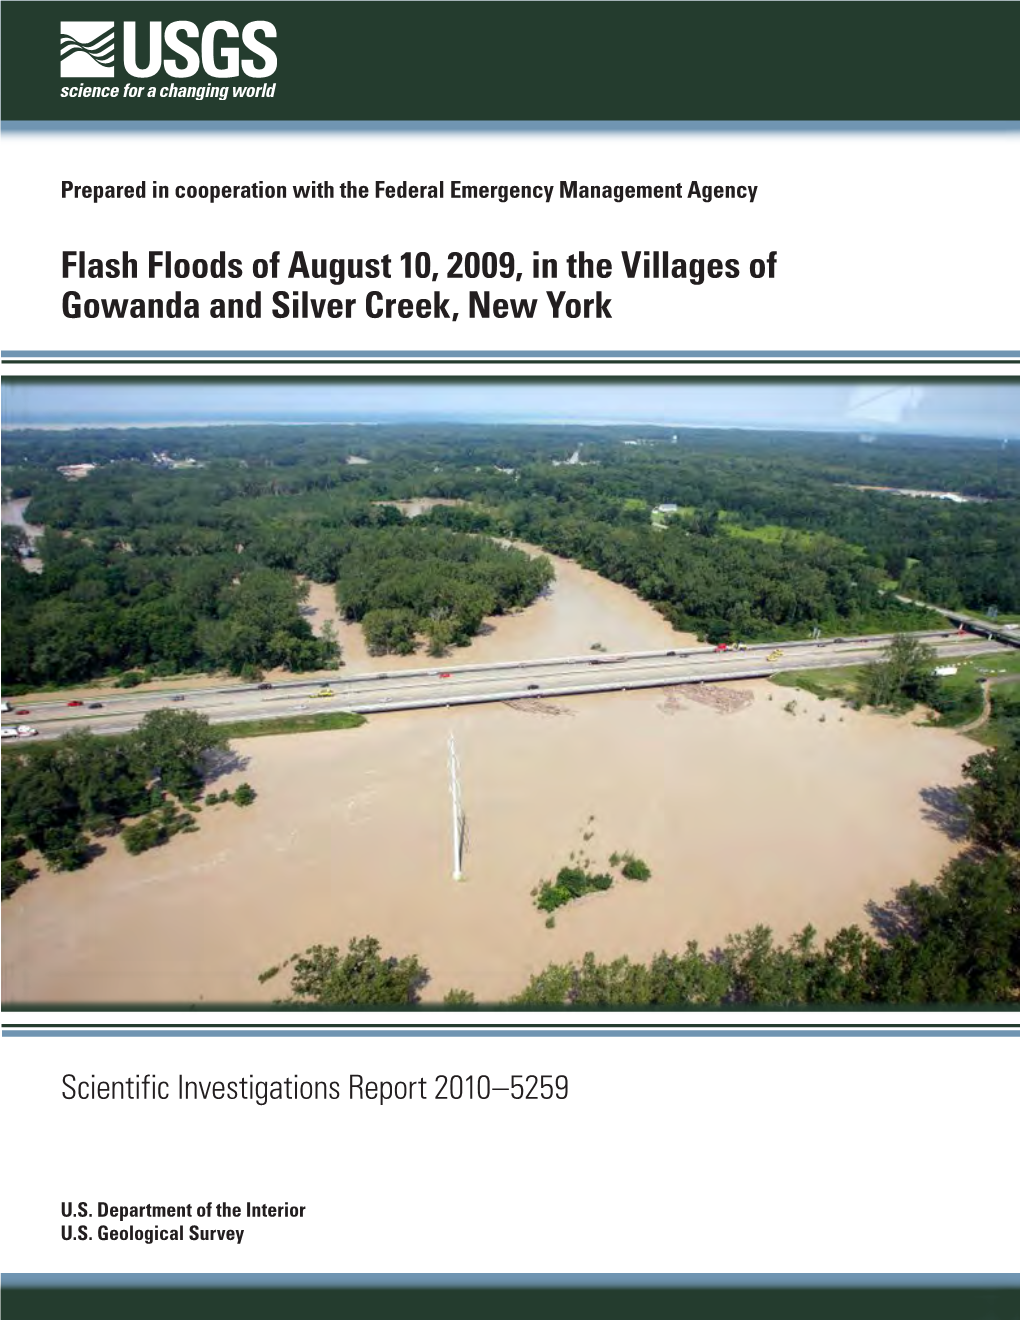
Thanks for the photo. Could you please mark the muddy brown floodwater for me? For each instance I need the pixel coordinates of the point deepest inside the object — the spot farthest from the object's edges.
(745, 814)
(579, 609)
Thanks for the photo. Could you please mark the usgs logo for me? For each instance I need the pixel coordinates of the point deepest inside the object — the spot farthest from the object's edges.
(179, 49)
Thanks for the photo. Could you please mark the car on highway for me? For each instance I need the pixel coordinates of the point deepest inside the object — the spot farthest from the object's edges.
(95, 705)
(446, 674)
(76, 703)
(179, 696)
(838, 640)
(722, 647)
(24, 711)
(262, 687)
(532, 687)
(773, 655)
(8, 732)
(26, 731)
(325, 692)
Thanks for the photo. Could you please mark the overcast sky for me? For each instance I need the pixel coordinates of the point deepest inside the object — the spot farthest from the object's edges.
(958, 409)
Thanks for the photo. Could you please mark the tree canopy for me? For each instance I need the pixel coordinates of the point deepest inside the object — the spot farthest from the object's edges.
(904, 675)
(198, 566)
(360, 977)
(54, 794)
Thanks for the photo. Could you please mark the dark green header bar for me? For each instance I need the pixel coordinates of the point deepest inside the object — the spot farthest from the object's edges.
(739, 1303)
(523, 60)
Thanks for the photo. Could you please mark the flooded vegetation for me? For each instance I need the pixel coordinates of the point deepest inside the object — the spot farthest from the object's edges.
(745, 805)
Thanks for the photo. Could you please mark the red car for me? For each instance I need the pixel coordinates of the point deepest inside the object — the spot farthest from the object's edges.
(722, 647)
(446, 675)
(23, 712)
(76, 703)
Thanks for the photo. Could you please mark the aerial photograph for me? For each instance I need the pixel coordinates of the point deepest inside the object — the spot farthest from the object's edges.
(568, 694)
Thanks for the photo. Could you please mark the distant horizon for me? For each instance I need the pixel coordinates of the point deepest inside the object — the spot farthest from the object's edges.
(224, 423)
(980, 411)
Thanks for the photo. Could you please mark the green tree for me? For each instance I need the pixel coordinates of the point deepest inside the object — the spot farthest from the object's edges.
(12, 846)
(14, 542)
(13, 874)
(331, 653)
(173, 744)
(762, 972)
(146, 833)
(440, 632)
(962, 938)
(130, 678)
(635, 869)
(992, 798)
(905, 675)
(389, 631)
(65, 849)
(361, 976)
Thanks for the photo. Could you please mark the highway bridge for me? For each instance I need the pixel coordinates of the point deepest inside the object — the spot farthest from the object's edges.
(459, 685)
(1007, 633)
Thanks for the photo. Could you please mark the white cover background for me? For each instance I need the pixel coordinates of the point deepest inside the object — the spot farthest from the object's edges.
(670, 1155)
(887, 241)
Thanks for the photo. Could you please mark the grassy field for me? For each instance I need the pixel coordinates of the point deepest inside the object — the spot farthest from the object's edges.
(340, 719)
(983, 666)
(661, 519)
(776, 533)
(963, 688)
(824, 683)
(1004, 726)
(964, 698)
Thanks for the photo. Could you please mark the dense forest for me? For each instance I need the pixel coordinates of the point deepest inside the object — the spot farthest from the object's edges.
(61, 797)
(200, 569)
(399, 582)
(192, 558)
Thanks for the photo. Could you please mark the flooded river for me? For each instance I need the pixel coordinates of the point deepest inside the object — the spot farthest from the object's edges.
(756, 815)
(579, 609)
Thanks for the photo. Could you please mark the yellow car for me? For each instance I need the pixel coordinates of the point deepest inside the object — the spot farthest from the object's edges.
(773, 655)
(325, 692)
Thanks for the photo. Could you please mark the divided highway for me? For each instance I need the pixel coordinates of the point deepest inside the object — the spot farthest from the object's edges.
(470, 684)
